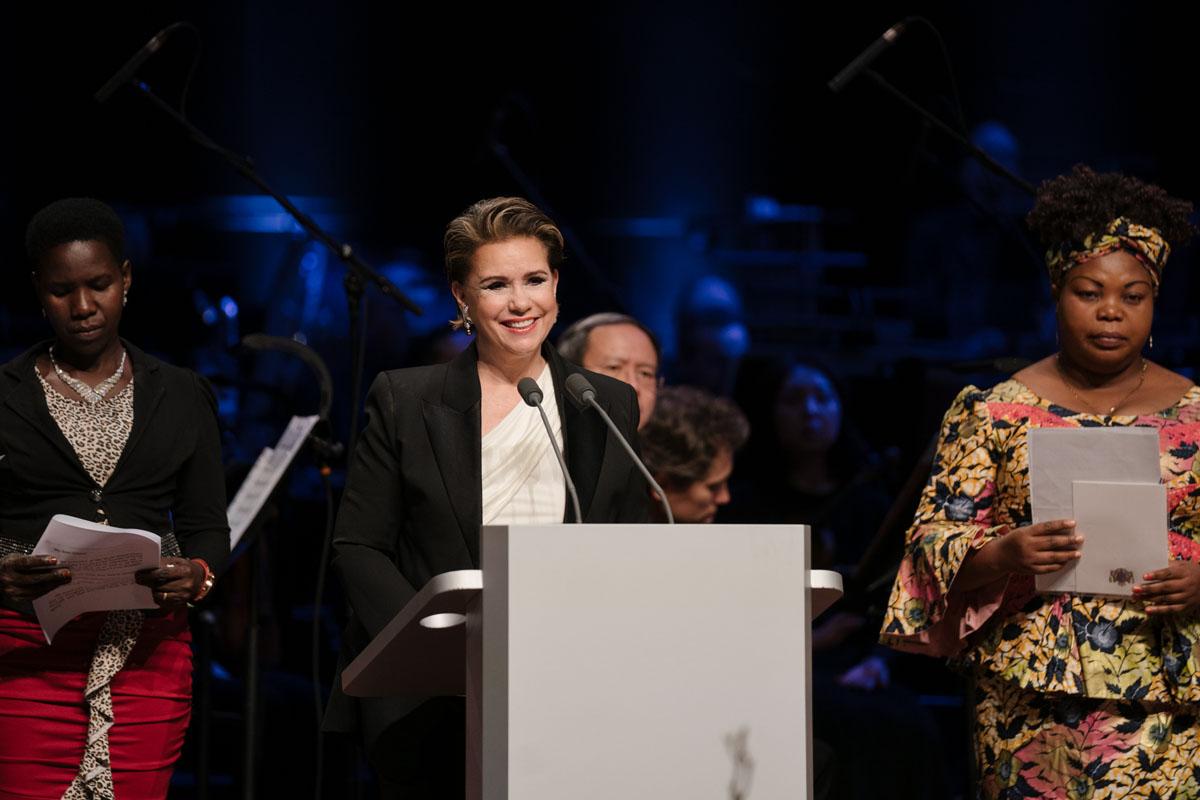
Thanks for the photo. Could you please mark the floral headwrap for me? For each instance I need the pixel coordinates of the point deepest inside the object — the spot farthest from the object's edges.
(1146, 244)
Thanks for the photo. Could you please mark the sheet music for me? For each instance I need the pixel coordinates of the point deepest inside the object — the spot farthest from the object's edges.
(268, 470)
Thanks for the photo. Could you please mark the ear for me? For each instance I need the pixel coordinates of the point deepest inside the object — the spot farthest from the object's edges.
(554, 281)
(460, 296)
(126, 275)
(1055, 291)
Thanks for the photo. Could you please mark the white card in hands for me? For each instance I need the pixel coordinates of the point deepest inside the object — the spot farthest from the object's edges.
(1058, 457)
(1124, 530)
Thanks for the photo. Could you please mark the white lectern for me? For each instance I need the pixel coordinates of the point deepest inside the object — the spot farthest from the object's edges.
(619, 661)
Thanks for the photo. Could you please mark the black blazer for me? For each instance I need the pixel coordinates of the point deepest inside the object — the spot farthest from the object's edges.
(169, 476)
(412, 508)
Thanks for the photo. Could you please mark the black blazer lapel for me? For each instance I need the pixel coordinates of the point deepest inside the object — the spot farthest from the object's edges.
(453, 427)
(28, 401)
(585, 436)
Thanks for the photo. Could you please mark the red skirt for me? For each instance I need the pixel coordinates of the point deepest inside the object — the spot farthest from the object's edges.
(43, 716)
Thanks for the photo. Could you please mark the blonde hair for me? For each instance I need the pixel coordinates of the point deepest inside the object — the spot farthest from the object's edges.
(496, 219)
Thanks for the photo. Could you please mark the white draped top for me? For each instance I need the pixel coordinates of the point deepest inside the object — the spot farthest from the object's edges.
(522, 482)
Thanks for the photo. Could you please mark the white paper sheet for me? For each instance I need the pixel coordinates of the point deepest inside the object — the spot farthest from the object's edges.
(1058, 457)
(266, 473)
(103, 561)
(1124, 529)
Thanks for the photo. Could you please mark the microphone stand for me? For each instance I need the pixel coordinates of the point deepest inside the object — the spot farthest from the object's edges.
(979, 153)
(358, 274)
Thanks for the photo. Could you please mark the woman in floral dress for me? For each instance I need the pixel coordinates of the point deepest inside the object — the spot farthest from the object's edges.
(1075, 696)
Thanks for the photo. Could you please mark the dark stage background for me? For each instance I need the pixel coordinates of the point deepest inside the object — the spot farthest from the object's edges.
(673, 140)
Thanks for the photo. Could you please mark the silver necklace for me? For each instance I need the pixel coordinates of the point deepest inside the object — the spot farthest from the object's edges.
(90, 394)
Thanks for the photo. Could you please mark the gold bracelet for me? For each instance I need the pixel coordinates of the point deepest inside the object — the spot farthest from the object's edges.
(207, 584)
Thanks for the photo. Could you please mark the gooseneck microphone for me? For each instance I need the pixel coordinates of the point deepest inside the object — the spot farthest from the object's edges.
(583, 395)
(125, 73)
(864, 59)
(531, 393)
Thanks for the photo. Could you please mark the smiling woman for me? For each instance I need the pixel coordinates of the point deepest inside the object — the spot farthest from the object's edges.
(1076, 695)
(92, 427)
(451, 447)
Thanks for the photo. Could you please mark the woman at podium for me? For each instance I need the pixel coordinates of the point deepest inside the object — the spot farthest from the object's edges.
(92, 427)
(451, 447)
(1075, 695)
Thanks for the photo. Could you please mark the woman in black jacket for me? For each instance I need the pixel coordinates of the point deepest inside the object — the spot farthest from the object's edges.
(92, 427)
(451, 447)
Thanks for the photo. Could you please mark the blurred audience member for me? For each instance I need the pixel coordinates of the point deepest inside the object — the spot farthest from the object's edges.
(688, 446)
(806, 466)
(711, 336)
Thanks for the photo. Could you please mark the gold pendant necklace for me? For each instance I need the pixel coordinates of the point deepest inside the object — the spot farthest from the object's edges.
(1090, 407)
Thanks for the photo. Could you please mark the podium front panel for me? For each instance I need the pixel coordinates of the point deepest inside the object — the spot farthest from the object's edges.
(645, 661)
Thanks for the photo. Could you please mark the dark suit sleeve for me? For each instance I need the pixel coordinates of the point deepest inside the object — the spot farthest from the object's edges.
(635, 500)
(371, 516)
(200, 519)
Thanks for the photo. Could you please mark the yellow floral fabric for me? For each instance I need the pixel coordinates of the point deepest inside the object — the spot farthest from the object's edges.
(1028, 649)
(1056, 746)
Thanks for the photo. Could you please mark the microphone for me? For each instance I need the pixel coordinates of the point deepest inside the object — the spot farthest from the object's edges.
(122, 76)
(864, 59)
(583, 394)
(531, 393)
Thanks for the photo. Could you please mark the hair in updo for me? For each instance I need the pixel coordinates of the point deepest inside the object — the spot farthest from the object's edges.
(1083, 202)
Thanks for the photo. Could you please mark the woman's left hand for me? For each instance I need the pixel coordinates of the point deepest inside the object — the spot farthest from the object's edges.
(1172, 590)
(174, 581)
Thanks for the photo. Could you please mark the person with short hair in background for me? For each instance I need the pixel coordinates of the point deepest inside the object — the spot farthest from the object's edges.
(619, 346)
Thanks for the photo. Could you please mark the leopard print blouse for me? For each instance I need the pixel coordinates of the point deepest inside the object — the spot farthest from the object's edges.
(97, 433)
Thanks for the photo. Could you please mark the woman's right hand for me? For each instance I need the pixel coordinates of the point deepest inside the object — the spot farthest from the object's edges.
(1031, 550)
(1037, 549)
(25, 578)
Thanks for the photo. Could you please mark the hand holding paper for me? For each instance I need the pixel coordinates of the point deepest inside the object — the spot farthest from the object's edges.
(1172, 590)
(1039, 549)
(25, 578)
(174, 581)
(1107, 480)
(103, 561)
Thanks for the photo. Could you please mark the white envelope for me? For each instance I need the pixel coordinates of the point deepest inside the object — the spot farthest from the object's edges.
(1124, 529)
(1058, 457)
